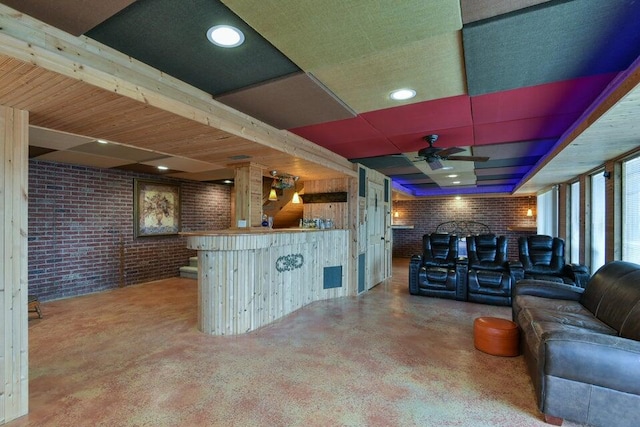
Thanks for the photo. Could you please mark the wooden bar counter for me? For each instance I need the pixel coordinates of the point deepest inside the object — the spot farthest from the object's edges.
(249, 277)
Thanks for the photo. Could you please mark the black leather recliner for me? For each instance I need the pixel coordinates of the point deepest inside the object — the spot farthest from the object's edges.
(489, 275)
(542, 258)
(438, 272)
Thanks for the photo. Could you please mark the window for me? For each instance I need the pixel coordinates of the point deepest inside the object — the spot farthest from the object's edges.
(574, 223)
(548, 213)
(631, 210)
(598, 203)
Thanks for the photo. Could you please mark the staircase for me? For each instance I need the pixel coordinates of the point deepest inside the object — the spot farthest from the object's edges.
(190, 271)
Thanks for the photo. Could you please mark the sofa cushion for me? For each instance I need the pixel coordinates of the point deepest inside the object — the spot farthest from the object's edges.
(618, 301)
(583, 320)
(631, 326)
(530, 301)
(602, 281)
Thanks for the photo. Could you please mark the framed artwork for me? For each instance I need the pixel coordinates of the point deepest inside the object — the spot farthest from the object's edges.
(156, 208)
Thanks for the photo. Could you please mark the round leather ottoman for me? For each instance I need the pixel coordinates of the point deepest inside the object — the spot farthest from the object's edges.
(495, 336)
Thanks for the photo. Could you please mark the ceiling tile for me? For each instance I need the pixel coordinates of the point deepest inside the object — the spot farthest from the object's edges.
(383, 162)
(452, 137)
(338, 132)
(523, 130)
(73, 16)
(289, 102)
(515, 149)
(117, 151)
(82, 159)
(182, 164)
(474, 10)
(346, 29)
(46, 138)
(365, 82)
(445, 113)
(171, 36)
(549, 99)
(542, 45)
(140, 168)
(366, 148)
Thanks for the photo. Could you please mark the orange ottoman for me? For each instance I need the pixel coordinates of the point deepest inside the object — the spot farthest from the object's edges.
(495, 336)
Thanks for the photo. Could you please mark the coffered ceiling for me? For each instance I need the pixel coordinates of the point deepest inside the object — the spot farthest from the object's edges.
(512, 81)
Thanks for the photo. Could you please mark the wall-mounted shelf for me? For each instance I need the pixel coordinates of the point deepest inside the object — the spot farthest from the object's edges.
(402, 227)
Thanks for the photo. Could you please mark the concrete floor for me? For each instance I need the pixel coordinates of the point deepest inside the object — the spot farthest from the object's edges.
(134, 357)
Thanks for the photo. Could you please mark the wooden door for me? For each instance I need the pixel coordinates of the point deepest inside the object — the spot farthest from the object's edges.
(376, 245)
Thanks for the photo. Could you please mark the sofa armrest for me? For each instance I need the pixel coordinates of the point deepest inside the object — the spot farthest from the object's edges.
(592, 358)
(546, 289)
(579, 273)
(516, 270)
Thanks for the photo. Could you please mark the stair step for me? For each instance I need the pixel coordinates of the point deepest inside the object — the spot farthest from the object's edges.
(193, 261)
(189, 272)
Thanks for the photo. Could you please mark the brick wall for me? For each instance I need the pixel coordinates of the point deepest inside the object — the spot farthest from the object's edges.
(81, 229)
(499, 213)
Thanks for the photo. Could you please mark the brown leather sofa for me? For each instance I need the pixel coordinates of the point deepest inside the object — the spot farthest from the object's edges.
(582, 345)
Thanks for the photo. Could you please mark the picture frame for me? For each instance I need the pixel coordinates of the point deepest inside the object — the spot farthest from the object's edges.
(156, 208)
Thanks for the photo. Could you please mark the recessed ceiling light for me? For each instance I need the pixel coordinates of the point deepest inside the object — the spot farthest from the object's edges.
(453, 175)
(101, 141)
(447, 168)
(456, 182)
(225, 36)
(227, 181)
(458, 198)
(163, 168)
(402, 94)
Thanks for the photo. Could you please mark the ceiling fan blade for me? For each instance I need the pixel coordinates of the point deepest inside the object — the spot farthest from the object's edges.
(449, 151)
(468, 158)
(434, 164)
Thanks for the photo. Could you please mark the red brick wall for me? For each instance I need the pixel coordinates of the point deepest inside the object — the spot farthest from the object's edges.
(499, 213)
(81, 221)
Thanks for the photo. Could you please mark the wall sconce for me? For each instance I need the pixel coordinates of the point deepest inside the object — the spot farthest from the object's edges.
(529, 210)
(396, 214)
(296, 198)
(272, 194)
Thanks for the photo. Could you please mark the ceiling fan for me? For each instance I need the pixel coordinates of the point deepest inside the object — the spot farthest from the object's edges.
(432, 155)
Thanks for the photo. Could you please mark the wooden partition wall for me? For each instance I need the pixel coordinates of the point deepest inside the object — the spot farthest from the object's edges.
(14, 153)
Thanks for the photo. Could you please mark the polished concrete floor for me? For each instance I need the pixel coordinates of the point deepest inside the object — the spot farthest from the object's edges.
(134, 357)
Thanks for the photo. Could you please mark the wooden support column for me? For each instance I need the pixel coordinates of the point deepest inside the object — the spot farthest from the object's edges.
(248, 193)
(14, 358)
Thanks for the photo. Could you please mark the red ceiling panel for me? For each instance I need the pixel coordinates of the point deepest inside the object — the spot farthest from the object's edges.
(539, 101)
(339, 131)
(523, 130)
(422, 117)
(453, 137)
(365, 148)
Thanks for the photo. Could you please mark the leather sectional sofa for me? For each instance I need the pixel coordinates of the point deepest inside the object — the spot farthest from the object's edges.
(582, 345)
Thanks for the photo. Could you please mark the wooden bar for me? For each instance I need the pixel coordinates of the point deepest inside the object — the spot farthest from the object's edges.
(248, 278)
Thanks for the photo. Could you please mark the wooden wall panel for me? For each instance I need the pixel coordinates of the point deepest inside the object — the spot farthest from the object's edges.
(14, 375)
